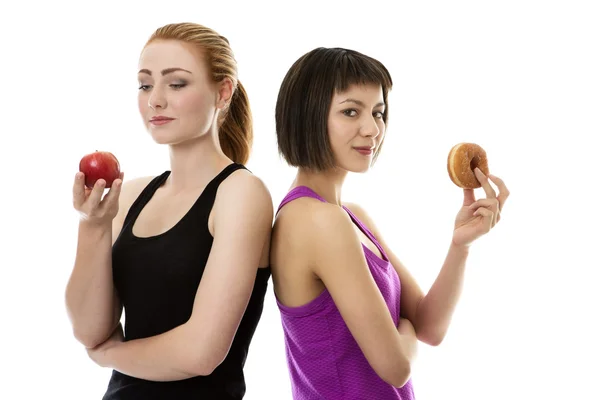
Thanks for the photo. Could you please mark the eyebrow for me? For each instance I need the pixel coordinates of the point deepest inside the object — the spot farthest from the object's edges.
(163, 72)
(360, 103)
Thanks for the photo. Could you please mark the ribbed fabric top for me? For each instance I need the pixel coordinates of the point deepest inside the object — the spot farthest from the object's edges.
(324, 360)
(157, 278)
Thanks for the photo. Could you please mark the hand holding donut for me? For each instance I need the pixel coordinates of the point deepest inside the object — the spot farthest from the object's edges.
(476, 217)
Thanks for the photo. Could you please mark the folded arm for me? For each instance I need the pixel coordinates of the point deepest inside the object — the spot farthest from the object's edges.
(241, 230)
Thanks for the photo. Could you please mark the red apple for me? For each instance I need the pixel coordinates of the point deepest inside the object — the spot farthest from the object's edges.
(100, 165)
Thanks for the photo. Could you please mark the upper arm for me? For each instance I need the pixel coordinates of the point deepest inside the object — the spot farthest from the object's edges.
(243, 215)
(411, 293)
(341, 265)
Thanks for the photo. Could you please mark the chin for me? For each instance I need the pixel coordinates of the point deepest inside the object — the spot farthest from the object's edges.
(166, 136)
(362, 170)
(358, 168)
(162, 138)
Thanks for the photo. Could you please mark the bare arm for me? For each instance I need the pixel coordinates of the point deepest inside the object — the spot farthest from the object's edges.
(431, 314)
(340, 264)
(241, 231)
(92, 304)
(90, 297)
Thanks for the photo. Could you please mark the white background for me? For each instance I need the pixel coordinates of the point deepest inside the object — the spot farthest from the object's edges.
(521, 78)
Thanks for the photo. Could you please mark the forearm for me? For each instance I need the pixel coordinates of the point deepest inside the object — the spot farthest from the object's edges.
(435, 310)
(408, 340)
(171, 356)
(89, 296)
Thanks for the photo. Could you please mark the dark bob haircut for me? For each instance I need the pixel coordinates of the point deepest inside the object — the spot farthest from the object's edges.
(305, 97)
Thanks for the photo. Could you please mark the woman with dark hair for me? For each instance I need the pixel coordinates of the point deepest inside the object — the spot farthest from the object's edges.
(352, 313)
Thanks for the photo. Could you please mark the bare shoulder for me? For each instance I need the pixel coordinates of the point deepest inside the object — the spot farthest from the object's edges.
(333, 232)
(312, 213)
(242, 215)
(132, 188)
(245, 189)
(364, 217)
(313, 225)
(357, 210)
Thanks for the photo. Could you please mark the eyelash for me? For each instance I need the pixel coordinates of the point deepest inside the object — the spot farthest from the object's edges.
(175, 86)
(347, 112)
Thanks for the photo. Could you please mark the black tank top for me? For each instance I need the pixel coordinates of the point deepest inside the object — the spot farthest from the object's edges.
(157, 278)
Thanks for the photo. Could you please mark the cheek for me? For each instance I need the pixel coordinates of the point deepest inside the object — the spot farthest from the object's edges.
(337, 134)
(191, 103)
(382, 127)
(143, 104)
(142, 101)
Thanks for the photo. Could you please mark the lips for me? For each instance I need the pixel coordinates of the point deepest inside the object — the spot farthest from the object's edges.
(365, 150)
(160, 120)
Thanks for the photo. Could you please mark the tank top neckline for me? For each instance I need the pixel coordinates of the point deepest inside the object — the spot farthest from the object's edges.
(158, 182)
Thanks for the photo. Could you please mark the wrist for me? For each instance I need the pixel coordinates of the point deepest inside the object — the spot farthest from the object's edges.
(461, 249)
(93, 227)
(109, 356)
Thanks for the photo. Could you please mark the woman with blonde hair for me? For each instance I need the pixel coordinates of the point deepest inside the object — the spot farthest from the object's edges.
(185, 252)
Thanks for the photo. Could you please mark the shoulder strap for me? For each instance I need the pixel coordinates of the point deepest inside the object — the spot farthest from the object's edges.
(366, 231)
(144, 197)
(210, 191)
(297, 192)
(206, 201)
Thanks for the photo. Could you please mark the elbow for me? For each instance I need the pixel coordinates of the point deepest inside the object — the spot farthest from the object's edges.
(432, 338)
(206, 364)
(434, 342)
(90, 336)
(397, 375)
(88, 339)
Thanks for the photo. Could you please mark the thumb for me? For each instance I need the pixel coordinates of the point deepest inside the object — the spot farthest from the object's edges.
(469, 197)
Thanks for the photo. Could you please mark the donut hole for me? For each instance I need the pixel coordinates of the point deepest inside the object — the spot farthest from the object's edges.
(474, 163)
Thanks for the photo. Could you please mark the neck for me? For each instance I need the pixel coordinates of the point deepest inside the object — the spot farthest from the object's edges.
(328, 184)
(195, 162)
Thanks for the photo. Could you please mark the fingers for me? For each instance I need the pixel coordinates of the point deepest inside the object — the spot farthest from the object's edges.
(490, 204)
(504, 193)
(97, 192)
(469, 197)
(487, 215)
(485, 184)
(484, 212)
(112, 198)
(79, 190)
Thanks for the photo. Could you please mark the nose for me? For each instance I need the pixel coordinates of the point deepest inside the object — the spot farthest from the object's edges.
(370, 127)
(157, 99)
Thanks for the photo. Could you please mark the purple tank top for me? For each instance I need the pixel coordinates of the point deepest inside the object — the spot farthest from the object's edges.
(324, 360)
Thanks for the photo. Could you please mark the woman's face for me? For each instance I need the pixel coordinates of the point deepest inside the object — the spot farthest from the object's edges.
(177, 99)
(356, 127)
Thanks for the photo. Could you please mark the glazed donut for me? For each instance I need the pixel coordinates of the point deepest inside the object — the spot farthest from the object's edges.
(462, 161)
